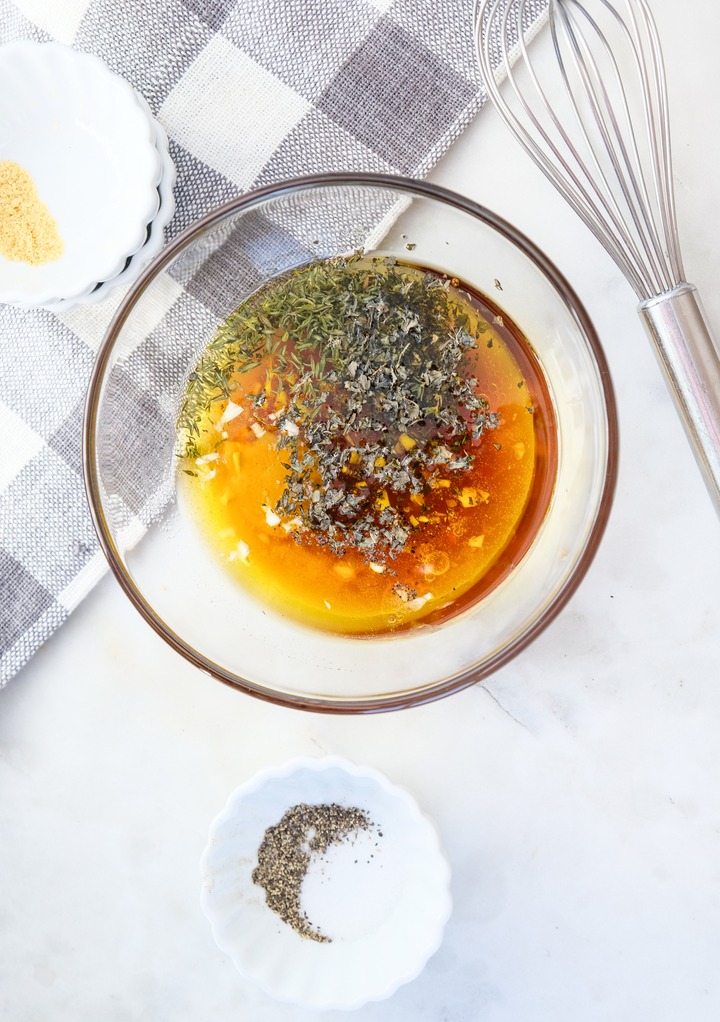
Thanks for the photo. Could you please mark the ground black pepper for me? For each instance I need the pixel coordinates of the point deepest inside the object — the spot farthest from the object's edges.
(368, 386)
(287, 849)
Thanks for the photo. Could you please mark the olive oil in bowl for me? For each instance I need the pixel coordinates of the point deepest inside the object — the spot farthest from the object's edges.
(367, 445)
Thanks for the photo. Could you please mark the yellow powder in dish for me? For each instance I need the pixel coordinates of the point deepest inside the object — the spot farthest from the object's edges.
(28, 232)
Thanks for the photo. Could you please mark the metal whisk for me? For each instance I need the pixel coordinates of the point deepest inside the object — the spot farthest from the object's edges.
(596, 123)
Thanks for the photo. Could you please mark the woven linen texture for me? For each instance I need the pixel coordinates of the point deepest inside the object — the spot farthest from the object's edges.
(249, 92)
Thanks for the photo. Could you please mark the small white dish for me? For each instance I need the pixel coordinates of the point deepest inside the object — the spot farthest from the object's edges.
(89, 146)
(154, 238)
(382, 896)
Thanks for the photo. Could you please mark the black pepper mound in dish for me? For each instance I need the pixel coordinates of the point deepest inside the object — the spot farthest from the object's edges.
(287, 849)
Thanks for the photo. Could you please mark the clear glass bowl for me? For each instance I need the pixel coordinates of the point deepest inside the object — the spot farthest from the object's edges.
(150, 349)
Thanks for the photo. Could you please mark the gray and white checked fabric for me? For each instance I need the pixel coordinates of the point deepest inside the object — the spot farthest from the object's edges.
(249, 92)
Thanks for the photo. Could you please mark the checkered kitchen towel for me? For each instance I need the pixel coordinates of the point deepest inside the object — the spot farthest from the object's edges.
(249, 92)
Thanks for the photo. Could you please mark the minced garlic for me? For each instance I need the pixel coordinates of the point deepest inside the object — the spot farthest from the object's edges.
(28, 231)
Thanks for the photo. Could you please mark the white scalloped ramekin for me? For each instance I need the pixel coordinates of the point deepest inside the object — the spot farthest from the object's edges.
(90, 148)
(155, 237)
(383, 900)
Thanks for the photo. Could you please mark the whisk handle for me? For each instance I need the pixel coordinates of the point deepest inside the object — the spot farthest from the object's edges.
(690, 360)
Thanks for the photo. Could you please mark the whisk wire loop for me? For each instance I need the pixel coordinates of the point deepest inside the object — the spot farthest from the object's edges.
(651, 70)
(656, 89)
(502, 24)
(620, 143)
(612, 171)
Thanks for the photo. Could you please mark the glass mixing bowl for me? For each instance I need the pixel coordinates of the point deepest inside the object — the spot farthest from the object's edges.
(130, 458)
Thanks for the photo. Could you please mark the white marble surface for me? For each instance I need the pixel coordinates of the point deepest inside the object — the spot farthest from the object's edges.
(576, 791)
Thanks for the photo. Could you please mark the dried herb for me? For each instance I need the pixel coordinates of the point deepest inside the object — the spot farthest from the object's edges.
(368, 385)
(287, 850)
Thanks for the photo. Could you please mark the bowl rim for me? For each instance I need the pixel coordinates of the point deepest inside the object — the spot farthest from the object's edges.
(391, 701)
